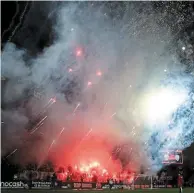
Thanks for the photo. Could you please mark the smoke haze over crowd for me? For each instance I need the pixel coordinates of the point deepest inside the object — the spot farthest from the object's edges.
(110, 77)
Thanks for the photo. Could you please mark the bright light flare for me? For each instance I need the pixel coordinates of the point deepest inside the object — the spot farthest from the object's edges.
(183, 48)
(53, 100)
(79, 52)
(98, 73)
(160, 105)
(70, 70)
(89, 83)
(95, 164)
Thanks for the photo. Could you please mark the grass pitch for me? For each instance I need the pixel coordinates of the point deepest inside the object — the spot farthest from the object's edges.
(173, 190)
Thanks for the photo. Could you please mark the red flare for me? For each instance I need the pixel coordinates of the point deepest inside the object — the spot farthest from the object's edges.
(99, 73)
(70, 70)
(89, 83)
(79, 52)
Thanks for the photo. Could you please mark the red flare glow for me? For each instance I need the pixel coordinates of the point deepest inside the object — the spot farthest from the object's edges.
(70, 70)
(99, 73)
(89, 83)
(79, 52)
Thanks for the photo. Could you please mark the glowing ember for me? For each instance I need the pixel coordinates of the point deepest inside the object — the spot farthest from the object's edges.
(89, 83)
(79, 52)
(99, 73)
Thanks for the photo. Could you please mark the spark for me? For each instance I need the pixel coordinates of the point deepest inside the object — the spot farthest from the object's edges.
(51, 145)
(60, 134)
(36, 128)
(50, 102)
(70, 70)
(78, 52)
(53, 100)
(12, 153)
(98, 73)
(62, 131)
(165, 70)
(89, 83)
(87, 134)
(113, 115)
(17, 26)
(39, 124)
(76, 107)
(183, 48)
(12, 21)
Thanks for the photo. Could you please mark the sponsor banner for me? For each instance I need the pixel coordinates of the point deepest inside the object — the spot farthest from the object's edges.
(41, 185)
(142, 186)
(12, 185)
(78, 185)
(74, 185)
(84, 185)
(162, 186)
(115, 186)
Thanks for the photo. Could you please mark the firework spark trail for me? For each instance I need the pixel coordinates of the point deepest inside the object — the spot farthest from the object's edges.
(17, 26)
(41, 121)
(38, 125)
(60, 134)
(12, 21)
(50, 102)
(85, 136)
(76, 108)
(51, 145)
(53, 142)
(36, 128)
(12, 153)
(113, 115)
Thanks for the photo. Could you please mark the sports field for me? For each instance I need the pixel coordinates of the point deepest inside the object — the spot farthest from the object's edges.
(174, 190)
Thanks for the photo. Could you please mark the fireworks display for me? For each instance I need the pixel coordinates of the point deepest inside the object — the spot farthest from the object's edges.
(111, 91)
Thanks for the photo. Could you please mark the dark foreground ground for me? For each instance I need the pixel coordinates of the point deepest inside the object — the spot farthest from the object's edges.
(186, 190)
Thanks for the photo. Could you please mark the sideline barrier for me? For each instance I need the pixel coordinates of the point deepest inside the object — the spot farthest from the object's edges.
(74, 185)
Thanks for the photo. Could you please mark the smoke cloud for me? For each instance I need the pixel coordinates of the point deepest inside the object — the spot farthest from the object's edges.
(100, 68)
